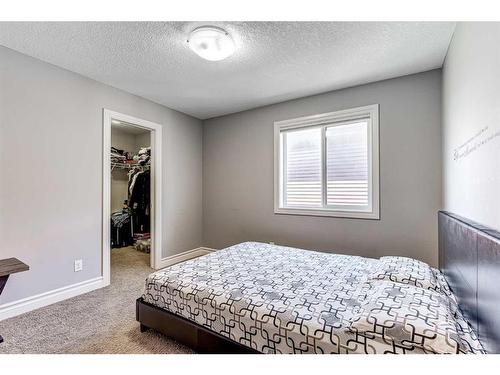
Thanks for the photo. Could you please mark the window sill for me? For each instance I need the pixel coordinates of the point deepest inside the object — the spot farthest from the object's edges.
(328, 213)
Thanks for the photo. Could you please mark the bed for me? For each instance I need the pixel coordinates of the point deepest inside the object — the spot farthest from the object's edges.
(260, 298)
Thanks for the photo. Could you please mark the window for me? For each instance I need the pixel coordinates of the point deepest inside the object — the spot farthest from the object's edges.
(327, 165)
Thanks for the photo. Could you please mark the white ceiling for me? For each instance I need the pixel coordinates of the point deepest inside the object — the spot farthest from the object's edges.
(274, 62)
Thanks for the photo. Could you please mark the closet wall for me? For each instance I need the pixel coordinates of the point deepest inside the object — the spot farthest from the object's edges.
(124, 140)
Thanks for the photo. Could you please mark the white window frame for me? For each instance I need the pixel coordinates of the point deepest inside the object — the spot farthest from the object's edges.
(324, 120)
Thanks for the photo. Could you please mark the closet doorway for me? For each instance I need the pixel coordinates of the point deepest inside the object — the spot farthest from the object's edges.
(131, 192)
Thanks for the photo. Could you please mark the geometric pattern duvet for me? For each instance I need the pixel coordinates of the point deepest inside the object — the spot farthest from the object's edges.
(278, 299)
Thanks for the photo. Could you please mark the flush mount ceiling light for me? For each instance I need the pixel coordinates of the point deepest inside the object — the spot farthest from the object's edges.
(211, 43)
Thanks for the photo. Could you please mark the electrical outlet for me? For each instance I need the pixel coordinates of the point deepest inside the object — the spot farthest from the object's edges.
(78, 265)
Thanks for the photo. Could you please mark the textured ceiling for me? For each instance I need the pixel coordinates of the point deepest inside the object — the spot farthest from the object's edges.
(275, 61)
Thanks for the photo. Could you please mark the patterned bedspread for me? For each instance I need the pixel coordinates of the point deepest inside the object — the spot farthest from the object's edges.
(279, 299)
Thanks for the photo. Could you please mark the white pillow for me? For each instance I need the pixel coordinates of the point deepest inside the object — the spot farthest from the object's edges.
(405, 271)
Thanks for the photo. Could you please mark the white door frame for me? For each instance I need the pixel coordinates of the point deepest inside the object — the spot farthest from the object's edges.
(156, 179)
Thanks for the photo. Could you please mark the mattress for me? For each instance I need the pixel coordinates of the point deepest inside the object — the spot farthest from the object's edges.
(278, 299)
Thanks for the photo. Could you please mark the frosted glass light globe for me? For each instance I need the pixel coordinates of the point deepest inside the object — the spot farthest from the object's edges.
(211, 43)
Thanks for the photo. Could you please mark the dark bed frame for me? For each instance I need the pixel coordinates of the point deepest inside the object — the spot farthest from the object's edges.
(198, 338)
(469, 257)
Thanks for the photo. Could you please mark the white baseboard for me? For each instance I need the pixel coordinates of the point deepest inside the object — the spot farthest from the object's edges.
(8, 310)
(186, 255)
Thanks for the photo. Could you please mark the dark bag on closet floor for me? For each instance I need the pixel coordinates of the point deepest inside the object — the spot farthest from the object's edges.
(121, 231)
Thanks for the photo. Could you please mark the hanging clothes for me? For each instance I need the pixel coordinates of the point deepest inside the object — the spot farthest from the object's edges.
(135, 218)
(132, 177)
(139, 199)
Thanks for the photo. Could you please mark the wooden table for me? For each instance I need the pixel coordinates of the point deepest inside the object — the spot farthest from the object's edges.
(7, 268)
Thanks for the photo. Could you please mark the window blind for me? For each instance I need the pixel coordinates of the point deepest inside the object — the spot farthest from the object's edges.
(346, 158)
(347, 164)
(302, 182)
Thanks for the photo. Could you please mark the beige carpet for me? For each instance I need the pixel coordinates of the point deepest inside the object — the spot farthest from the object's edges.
(102, 321)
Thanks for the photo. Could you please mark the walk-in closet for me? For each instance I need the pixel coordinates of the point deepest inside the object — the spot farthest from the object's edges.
(130, 195)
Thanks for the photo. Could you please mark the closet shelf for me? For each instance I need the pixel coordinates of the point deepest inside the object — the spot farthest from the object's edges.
(128, 165)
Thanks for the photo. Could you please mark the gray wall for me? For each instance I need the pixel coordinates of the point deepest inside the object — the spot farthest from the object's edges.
(142, 140)
(129, 141)
(51, 157)
(238, 174)
(471, 123)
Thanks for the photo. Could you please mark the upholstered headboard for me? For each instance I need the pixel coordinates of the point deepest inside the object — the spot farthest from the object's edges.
(469, 257)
